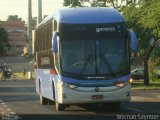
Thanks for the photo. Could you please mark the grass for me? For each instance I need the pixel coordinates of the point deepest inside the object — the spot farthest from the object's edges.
(154, 85)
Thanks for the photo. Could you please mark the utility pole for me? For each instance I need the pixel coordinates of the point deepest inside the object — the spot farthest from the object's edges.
(29, 32)
(39, 11)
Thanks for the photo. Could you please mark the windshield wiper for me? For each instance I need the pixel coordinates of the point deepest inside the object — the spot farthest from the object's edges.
(86, 63)
(107, 64)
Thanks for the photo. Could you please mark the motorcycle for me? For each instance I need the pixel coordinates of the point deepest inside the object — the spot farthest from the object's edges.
(8, 74)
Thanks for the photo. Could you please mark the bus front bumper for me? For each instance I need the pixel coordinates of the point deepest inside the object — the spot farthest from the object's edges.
(90, 95)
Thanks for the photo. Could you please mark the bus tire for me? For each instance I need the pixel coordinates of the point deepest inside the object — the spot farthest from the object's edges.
(59, 107)
(43, 100)
(51, 102)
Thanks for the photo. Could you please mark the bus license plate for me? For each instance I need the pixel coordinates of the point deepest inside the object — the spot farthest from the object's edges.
(97, 97)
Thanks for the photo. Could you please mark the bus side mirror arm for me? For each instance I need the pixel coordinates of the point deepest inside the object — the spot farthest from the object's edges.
(133, 41)
(55, 42)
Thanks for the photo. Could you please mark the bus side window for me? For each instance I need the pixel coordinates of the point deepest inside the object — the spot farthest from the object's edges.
(55, 25)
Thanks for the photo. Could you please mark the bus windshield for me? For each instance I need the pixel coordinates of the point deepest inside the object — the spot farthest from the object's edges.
(96, 50)
(98, 57)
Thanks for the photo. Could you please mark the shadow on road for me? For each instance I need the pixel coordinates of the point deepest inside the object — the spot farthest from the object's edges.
(22, 96)
(126, 108)
(67, 117)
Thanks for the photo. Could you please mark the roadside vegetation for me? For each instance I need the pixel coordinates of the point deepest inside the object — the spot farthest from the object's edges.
(153, 80)
(154, 85)
(4, 41)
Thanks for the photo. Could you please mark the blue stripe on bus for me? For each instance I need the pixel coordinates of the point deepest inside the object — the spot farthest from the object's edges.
(94, 83)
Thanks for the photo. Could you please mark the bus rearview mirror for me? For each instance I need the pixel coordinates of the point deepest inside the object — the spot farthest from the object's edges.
(54, 42)
(133, 41)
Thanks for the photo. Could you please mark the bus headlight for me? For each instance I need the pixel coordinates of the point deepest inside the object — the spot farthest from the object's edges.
(130, 80)
(70, 86)
(120, 84)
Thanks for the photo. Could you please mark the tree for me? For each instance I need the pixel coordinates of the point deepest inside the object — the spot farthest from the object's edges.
(145, 20)
(13, 18)
(151, 21)
(4, 41)
(73, 3)
(96, 3)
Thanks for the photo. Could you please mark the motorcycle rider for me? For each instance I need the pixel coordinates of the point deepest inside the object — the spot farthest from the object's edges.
(7, 72)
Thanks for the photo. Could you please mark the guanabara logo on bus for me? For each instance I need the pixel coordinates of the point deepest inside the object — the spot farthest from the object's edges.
(105, 29)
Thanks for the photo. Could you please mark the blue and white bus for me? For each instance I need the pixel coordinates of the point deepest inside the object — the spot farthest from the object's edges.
(82, 55)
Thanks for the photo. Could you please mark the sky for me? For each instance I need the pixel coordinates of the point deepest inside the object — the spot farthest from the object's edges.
(20, 8)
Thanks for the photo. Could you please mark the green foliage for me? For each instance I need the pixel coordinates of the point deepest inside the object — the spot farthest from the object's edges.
(155, 56)
(93, 3)
(153, 71)
(13, 18)
(73, 3)
(151, 16)
(145, 21)
(4, 41)
(155, 85)
(132, 16)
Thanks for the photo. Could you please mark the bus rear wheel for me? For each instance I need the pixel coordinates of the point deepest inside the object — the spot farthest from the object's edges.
(59, 107)
(43, 100)
(51, 102)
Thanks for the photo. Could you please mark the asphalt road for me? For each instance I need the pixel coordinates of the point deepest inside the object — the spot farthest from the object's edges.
(19, 101)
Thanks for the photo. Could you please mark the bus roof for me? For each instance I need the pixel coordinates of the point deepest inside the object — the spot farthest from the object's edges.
(90, 15)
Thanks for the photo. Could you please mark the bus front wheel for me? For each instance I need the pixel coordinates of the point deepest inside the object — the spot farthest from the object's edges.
(59, 107)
